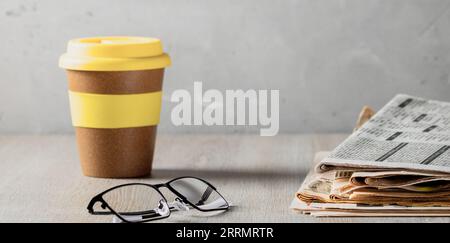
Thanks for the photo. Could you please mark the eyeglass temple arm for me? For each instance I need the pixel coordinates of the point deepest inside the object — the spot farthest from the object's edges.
(103, 205)
(91, 204)
(205, 195)
(177, 205)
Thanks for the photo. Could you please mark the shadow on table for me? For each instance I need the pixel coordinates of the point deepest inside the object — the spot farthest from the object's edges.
(227, 174)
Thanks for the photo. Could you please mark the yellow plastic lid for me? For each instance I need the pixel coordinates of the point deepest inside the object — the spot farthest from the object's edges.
(114, 53)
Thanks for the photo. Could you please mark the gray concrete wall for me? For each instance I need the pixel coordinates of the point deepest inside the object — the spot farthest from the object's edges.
(327, 57)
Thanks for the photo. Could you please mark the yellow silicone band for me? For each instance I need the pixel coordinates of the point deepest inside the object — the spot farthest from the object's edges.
(115, 111)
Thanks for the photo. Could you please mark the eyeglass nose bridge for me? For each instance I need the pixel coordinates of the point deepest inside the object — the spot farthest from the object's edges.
(180, 197)
(160, 185)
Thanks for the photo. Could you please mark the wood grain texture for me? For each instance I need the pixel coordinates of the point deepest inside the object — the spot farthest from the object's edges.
(116, 153)
(98, 82)
(41, 180)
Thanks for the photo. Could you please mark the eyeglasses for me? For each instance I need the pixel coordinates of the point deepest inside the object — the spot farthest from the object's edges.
(140, 202)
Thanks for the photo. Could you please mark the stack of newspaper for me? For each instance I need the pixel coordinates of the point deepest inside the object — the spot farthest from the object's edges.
(396, 163)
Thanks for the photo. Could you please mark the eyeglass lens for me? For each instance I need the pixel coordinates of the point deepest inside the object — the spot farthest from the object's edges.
(199, 193)
(137, 200)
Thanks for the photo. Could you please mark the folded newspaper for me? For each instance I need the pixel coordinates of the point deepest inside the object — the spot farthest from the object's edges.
(396, 163)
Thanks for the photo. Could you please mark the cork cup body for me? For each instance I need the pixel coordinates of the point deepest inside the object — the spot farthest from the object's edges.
(117, 152)
(115, 92)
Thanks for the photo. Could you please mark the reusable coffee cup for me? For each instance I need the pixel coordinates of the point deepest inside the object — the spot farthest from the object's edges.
(115, 89)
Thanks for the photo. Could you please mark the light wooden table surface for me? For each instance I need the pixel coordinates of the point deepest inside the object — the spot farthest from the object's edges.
(40, 178)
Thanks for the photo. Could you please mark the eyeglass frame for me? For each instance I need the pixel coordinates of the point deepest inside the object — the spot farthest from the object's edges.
(104, 204)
